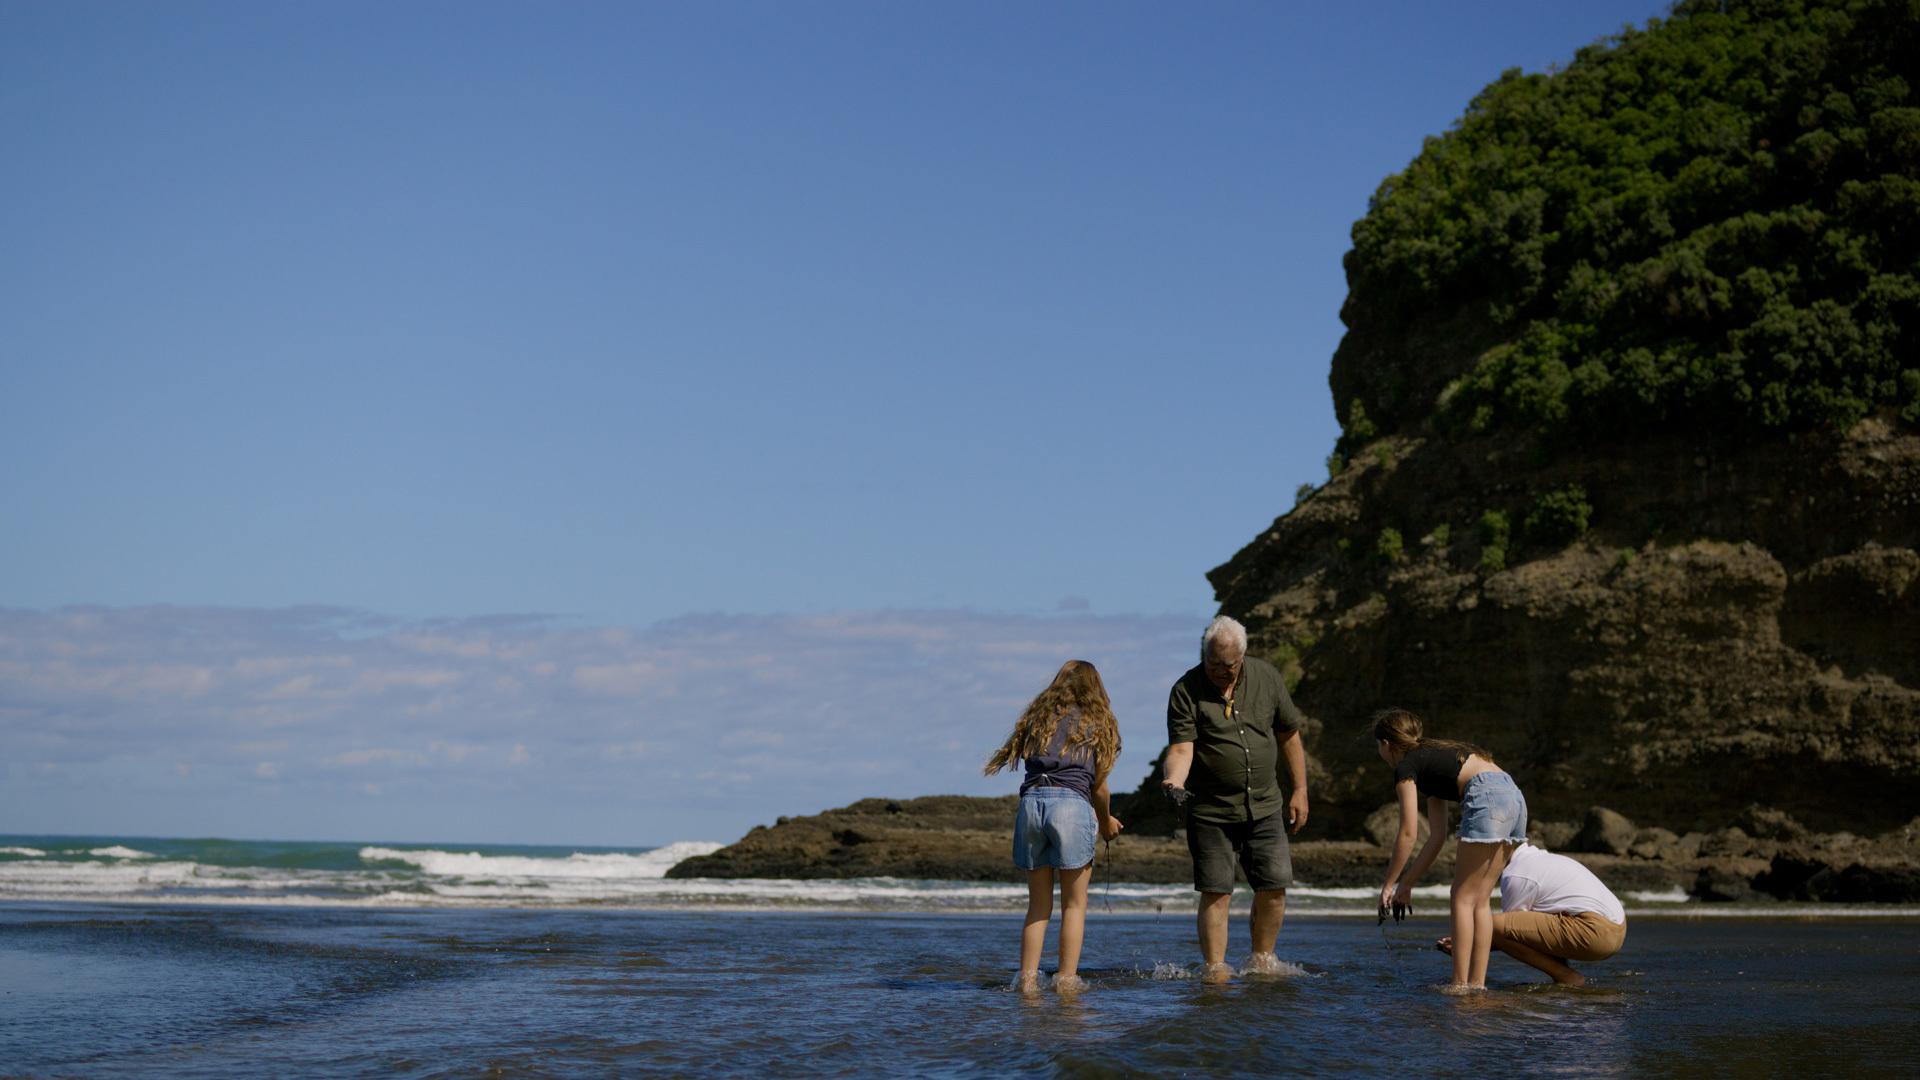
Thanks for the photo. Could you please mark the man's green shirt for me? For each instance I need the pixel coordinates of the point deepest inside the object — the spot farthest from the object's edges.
(1236, 751)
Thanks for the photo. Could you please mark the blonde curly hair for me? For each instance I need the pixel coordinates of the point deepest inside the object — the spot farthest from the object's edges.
(1076, 689)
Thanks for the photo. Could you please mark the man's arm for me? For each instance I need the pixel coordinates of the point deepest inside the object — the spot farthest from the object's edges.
(1183, 728)
(1288, 715)
(1296, 755)
(1174, 768)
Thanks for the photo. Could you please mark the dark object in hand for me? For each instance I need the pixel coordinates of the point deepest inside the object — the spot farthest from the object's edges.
(1178, 796)
(1400, 912)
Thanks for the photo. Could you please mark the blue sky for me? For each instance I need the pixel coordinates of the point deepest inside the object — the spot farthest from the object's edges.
(622, 314)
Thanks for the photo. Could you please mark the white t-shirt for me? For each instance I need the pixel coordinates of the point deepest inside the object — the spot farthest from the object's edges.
(1537, 880)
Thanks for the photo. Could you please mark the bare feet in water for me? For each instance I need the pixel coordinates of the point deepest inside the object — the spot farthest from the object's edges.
(1266, 963)
(1027, 982)
(1068, 984)
(1445, 945)
(1214, 974)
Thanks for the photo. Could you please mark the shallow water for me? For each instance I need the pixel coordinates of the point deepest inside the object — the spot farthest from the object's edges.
(116, 990)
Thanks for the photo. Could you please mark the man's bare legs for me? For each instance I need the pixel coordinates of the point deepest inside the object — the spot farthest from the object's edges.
(1539, 961)
(1269, 910)
(1212, 923)
(1553, 965)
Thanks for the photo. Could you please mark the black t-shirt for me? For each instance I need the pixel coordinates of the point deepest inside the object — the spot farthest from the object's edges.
(1434, 770)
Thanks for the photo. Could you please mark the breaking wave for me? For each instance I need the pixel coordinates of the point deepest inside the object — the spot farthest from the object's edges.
(390, 875)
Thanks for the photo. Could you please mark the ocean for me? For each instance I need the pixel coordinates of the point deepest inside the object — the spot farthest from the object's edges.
(139, 870)
(124, 956)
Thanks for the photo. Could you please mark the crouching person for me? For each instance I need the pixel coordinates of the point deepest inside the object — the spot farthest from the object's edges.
(1554, 910)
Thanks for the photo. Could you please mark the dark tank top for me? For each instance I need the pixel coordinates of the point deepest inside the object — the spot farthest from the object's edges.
(1434, 770)
(1061, 766)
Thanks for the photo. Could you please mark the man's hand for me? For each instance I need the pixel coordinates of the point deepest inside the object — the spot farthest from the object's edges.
(1110, 828)
(1297, 811)
(1176, 795)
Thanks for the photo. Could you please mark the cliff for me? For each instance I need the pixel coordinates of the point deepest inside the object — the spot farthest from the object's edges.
(1737, 625)
(1628, 489)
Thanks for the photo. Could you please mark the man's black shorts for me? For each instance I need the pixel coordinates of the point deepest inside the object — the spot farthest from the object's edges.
(1260, 847)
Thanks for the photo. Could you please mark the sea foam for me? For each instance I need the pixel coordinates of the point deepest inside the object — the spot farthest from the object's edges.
(472, 864)
(386, 876)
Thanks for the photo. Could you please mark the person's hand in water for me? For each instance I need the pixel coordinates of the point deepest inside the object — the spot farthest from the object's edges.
(1445, 945)
(1110, 828)
(1397, 900)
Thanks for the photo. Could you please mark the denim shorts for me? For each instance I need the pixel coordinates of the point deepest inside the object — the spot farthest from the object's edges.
(1054, 827)
(1492, 810)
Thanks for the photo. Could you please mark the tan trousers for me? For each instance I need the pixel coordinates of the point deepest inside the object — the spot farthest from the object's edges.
(1586, 936)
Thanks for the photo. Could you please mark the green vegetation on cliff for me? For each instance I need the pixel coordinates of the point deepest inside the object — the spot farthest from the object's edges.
(1714, 220)
(1629, 485)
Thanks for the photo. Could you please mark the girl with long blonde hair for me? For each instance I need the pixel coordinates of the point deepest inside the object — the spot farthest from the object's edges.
(1493, 821)
(1068, 740)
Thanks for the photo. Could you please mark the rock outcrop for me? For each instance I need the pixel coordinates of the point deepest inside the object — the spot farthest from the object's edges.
(1736, 623)
(957, 838)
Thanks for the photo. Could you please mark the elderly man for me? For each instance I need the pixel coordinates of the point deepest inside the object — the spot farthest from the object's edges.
(1229, 723)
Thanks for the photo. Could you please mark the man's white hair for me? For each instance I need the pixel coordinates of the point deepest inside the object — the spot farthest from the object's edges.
(1225, 631)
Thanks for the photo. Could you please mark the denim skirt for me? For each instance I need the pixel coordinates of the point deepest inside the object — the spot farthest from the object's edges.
(1054, 827)
(1492, 810)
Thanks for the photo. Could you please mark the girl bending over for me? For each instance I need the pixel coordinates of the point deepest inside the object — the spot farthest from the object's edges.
(1493, 818)
(1068, 739)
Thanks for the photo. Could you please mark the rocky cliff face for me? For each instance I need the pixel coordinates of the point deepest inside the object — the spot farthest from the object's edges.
(1736, 621)
(1630, 399)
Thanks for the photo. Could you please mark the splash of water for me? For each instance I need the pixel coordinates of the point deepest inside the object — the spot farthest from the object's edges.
(1268, 964)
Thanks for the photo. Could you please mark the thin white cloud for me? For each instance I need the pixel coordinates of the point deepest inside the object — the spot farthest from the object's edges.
(626, 751)
(815, 709)
(455, 752)
(376, 756)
